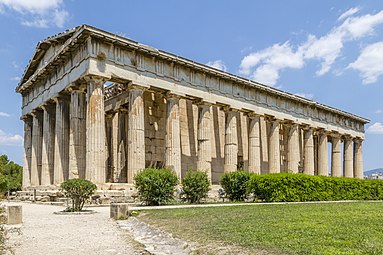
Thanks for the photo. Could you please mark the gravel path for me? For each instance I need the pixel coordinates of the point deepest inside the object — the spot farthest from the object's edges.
(44, 232)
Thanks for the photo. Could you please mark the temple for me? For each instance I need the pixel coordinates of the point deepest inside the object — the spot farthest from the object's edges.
(99, 106)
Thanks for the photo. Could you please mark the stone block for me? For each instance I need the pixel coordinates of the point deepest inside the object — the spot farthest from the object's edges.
(14, 214)
(118, 210)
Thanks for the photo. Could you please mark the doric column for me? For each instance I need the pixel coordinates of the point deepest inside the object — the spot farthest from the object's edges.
(95, 131)
(358, 159)
(28, 123)
(293, 156)
(109, 143)
(348, 158)
(336, 157)
(274, 150)
(231, 141)
(308, 164)
(173, 135)
(77, 134)
(61, 152)
(136, 131)
(47, 164)
(322, 154)
(37, 135)
(204, 134)
(254, 144)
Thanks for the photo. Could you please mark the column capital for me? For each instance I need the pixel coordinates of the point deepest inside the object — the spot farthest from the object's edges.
(137, 86)
(228, 108)
(95, 78)
(77, 88)
(202, 102)
(253, 115)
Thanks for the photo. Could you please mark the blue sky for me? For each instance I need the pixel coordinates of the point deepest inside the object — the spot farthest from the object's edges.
(328, 51)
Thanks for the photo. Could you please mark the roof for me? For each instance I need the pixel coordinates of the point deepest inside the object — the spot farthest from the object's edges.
(86, 30)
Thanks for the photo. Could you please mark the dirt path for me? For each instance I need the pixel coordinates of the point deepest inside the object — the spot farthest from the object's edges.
(44, 232)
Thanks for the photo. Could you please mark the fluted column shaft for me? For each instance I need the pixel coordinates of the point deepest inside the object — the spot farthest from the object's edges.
(28, 123)
(37, 135)
(61, 152)
(274, 150)
(322, 154)
(204, 134)
(77, 135)
(95, 132)
(308, 165)
(254, 144)
(348, 158)
(173, 135)
(47, 164)
(231, 142)
(136, 132)
(336, 157)
(358, 159)
(293, 156)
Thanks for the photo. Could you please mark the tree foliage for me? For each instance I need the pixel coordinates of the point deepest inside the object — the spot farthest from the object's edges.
(10, 175)
(195, 185)
(79, 190)
(155, 186)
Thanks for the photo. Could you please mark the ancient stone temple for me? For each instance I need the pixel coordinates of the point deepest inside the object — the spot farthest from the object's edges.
(99, 106)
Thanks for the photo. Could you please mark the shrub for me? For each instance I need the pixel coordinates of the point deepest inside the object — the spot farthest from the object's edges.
(235, 185)
(79, 190)
(195, 185)
(285, 187)
(155, 186)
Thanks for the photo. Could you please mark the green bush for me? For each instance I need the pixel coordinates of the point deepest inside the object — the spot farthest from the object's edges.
(235, 185)
(79, 190)
(195, 185)
(286, 187)
(155, 186)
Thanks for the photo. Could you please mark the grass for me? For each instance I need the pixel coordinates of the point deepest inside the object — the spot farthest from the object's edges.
(338, 228)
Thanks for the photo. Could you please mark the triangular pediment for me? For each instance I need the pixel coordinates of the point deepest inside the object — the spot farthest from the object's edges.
(44, 52)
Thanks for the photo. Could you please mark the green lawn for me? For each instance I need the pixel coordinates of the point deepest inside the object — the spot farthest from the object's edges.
(339, 228)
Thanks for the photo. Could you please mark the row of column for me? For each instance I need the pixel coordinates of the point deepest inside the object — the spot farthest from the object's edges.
(66, 139)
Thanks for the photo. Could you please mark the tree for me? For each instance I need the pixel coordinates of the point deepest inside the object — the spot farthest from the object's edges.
(10, 175)
(79, 190)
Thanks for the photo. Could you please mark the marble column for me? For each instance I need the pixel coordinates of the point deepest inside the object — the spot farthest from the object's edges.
(231, 141)
(336, 157)
(77, 134)
(322, 154)
(37, 135)
(95, 131)
(61, 151)
(254, 144)
(348, 158)
(358, 159)
(204, 134)
(136, 131)
(173, 135)
(28, 123)
(308, 164)
(293, 156)
(274, 149)
(47, 164)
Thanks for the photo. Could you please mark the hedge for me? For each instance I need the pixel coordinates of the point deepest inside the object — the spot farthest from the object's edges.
(286, 187)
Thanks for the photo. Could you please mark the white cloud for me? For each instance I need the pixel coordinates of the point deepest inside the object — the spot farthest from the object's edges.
(37, 13)
(370, 63)
(378, 111)
(270, 61)
(266, 64)
(218, 64)
(33, 6)
(15, 78)
(376, 129)
(4, 114)
(10, 139)
(348, 13)
(305, 95)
